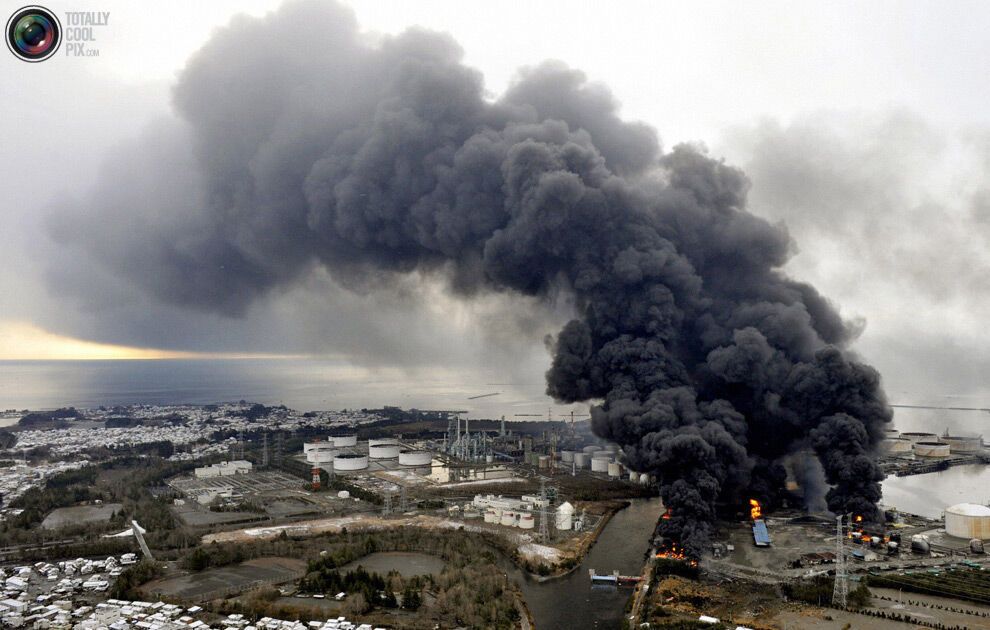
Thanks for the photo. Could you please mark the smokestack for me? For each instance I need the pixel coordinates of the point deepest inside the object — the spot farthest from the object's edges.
(374, 161)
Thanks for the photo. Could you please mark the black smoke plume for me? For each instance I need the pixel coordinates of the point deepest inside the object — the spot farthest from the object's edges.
(708, 365)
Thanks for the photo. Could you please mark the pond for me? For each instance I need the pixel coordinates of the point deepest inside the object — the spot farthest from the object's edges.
(408, 564)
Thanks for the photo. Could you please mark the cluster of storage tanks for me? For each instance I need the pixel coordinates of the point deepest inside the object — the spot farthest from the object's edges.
(930, 445)
(563, 517)
(325, 453)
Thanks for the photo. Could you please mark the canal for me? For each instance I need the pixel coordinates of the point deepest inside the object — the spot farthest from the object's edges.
(570, 602)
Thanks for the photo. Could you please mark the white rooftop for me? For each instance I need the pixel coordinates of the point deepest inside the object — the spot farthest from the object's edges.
(969, 509)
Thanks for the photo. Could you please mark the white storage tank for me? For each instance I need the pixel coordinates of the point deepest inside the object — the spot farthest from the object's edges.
(470, 512)
(963, 444)
(591, 449)
(567, 456)
(415, 458)
(919, 437)
(600, 464)
(614, 469)
(383, 451)
(348, 461)
(383, 442)
(581, 460)
(565, 516)
(896, 445)
(968, 520)
(508, 518)
(891, 434)
(491, 516)
(343, 440)
(544, 461)
(930, 449)
(315, 444)
(321, 455)
(527, 521)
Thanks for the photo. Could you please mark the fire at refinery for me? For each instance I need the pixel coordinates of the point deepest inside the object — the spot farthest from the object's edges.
(755, 511)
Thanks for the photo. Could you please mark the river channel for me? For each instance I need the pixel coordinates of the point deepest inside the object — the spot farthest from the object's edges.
(570, 602)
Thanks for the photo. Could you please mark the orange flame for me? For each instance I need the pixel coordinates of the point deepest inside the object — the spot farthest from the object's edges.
(666, 515)
(755, 511)
(859, 518)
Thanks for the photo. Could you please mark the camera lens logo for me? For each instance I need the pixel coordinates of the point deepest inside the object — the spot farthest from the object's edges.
(33, 33)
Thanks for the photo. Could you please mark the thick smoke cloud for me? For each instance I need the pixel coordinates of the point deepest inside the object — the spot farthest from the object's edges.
(711, 366)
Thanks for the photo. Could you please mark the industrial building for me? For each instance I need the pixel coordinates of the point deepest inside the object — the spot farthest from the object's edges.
(224, 469)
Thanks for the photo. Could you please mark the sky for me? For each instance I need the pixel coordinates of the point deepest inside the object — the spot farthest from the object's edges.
(861, 127)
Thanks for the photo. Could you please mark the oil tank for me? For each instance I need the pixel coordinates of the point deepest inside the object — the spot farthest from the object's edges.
(508, 518)
(383, 451)
(526, 521)
(343, 440)
(896, 445)
(347, 461)
(919, 544)
(567, 456)
(321, 455)
(600, 464)
(491, 516)
(315, 444)
(591, 449)
(920, 437)
(891, 434)
(968, 520)
(581, 460)
(471, 513)
(963, 444)
(565, 516)
(614, 469)
(544, 461)
(930, 449)
(415, 458)
(383, 442)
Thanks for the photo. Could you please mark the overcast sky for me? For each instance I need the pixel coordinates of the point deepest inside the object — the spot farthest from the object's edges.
(862, 126)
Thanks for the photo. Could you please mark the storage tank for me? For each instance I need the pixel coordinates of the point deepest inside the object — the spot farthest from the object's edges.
(600, 464)
(349, 461)
(471, 513)
(612, 448)
(383, 451)
(891, 434)
(591, 449)
(930, 449)
(343, 494)
(315, 444)
(544, 461)
(383, 442)
(896, 445)
(508, 518)
(565, 516)
(321, 455)
(581, 460)
(919, 544)
(920, 437)
(343, 440)
(526, 521)
(968, 520)
(567, 456)
(490, 516)
(415, 458)
(614, 469)
(962, 444)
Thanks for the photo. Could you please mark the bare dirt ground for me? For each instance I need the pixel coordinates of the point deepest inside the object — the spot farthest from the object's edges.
(80, 514)
(213, 583)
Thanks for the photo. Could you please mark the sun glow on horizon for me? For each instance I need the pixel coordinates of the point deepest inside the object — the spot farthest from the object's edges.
(24, 341)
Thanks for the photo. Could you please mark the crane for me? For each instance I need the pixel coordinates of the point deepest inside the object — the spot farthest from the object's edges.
(140, 538)
(484, 396)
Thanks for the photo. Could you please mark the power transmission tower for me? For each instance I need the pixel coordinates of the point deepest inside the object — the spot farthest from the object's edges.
(264, 449)
(544, 525)
(387, 508)
(240, 445)
(403, 504)
(278, 449)
(841, 589)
